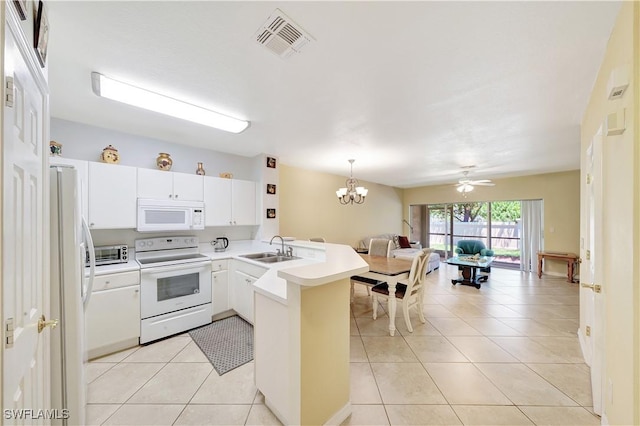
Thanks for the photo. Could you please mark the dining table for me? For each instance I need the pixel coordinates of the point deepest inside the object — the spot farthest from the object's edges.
(389, 270)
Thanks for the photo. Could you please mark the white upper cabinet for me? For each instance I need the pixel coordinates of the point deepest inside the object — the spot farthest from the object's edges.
(229, 202)
(217, 201)
(161, 185)
(112, 196)
(82, 166)
(243, 202)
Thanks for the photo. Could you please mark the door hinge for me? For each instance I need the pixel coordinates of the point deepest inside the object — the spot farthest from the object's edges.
(8, 333)
(8, 98)
(588, 331)
(588, 254)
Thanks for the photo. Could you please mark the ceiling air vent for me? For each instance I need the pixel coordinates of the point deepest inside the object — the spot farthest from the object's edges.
(281, 35)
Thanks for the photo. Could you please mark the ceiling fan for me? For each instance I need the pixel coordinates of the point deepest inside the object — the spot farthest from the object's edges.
(465, 184)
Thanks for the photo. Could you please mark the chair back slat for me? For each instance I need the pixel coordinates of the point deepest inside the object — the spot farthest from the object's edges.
(418, 271)
(380, 247)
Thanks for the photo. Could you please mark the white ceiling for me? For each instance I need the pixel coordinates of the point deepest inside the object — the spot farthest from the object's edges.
(412, 90)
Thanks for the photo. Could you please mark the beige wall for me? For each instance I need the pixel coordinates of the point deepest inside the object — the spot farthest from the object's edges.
(309, 208)
(621, 221)
(324, 351)
(560, 192)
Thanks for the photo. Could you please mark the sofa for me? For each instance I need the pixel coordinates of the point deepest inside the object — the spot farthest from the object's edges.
(407, 253)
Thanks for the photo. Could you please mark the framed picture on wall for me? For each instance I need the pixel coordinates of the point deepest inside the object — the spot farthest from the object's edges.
(271, 213)
(271, 189)
(41, 34)
(271, 162)
(21, 7)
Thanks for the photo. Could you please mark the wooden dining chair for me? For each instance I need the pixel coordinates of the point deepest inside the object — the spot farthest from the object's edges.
(377, 247)
(409, 290)
(380, 247)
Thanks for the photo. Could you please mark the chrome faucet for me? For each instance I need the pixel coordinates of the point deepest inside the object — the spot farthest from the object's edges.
(282, 241)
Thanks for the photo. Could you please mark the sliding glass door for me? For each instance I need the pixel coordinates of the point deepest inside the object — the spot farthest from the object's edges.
(496, 224)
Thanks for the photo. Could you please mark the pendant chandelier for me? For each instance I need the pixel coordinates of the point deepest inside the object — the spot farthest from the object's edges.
(352, 193)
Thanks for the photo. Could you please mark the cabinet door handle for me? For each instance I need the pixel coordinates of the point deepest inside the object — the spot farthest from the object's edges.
(176, 195)
(136, 291)
(170, 196)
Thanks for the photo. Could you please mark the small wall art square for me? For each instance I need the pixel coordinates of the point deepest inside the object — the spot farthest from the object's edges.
(41, 38)
(271, 189)
(271, 162)
(271, 213)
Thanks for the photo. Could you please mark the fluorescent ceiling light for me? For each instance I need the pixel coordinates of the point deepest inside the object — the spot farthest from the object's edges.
(141, 98)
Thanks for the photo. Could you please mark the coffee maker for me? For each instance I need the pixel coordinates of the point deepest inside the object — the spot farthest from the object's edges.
(220, 243)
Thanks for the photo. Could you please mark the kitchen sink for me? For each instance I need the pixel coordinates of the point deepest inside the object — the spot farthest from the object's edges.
(275, 259)
(258, 256)
(268, 257)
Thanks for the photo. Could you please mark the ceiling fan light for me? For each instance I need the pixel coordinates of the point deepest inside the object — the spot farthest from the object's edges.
(145, 99)
(465, 188)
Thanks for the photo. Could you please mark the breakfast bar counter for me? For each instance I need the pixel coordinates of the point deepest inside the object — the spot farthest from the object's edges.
(301, 337)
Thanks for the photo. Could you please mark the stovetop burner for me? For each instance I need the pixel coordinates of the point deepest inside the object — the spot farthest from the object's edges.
(166, 251)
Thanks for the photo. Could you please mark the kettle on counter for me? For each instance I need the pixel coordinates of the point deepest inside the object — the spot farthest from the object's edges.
(220, 244)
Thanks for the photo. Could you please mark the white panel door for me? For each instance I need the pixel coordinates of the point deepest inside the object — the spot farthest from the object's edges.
(243, 204)
(217, 201)
(591, 297)
(25, 352)
(155, 184)
(187, 187)
(112, 196)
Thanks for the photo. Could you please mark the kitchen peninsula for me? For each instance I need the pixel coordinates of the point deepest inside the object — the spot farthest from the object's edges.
(302, 337)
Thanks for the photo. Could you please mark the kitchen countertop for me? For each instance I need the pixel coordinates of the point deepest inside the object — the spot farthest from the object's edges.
(319, 263)
(270, 284)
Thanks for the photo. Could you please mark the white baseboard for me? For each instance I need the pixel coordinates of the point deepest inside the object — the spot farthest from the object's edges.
(340, 415)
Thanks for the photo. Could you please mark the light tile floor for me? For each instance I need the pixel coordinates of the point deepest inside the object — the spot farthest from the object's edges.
(506, 354)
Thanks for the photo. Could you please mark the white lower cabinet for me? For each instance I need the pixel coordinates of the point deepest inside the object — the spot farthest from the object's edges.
(243, 287)
(220, 291)
(113, 314)
(244, 275)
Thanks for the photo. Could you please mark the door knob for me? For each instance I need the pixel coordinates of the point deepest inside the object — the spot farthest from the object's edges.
(595, 287)
(42, 323)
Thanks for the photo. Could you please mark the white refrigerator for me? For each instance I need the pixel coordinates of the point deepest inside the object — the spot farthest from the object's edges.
(70, 293)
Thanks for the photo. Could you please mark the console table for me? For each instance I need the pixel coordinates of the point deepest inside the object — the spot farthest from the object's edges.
(570, 258)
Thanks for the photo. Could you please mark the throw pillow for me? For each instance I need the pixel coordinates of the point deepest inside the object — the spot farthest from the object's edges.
(396, 244)
(404, 242)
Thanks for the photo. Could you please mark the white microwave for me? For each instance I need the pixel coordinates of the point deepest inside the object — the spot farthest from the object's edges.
(169, 215)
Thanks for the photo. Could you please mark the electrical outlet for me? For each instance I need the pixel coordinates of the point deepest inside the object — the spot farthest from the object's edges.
(588, 331)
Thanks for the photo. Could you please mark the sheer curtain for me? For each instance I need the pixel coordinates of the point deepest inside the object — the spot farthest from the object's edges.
(532, 237)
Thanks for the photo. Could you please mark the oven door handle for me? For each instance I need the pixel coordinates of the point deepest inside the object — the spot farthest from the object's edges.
(180, 267)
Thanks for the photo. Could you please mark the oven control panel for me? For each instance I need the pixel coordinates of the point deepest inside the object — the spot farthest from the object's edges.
(166, 243)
